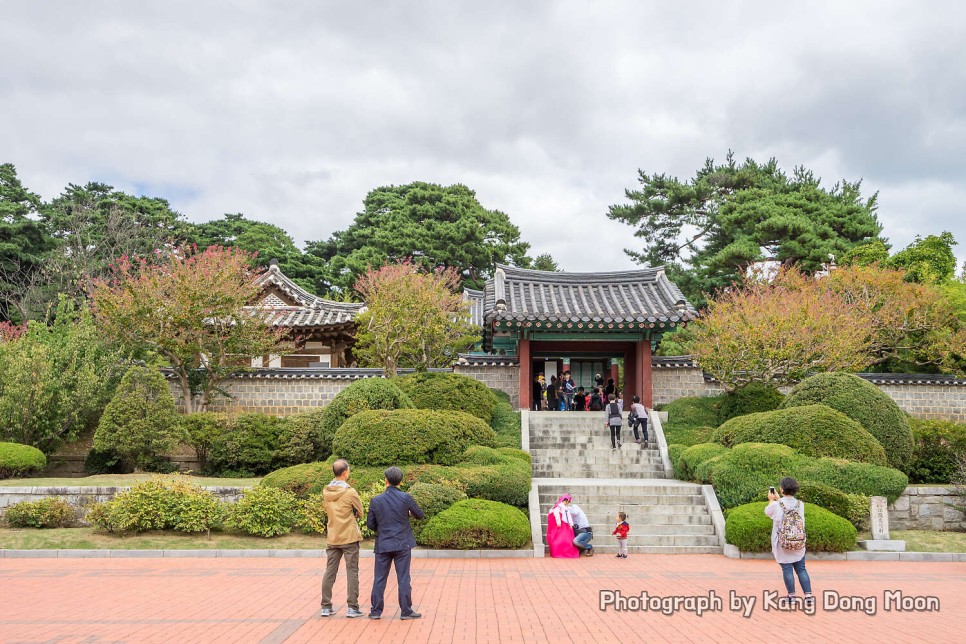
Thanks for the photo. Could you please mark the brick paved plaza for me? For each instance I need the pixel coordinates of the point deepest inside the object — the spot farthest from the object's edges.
(462, 600)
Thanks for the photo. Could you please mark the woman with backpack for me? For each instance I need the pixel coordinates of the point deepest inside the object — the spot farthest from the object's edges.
(615, 420)
(788, 536)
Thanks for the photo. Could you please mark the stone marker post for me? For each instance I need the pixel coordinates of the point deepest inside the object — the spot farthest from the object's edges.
(879, 515)
(878, 507)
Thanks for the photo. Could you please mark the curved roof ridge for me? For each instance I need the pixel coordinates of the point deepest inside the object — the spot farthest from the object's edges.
(529, 274)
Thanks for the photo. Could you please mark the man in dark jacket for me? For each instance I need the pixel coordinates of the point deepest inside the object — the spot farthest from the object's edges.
(388, 517)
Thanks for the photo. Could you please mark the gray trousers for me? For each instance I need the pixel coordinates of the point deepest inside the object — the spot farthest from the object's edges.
(334, 554)
(622, 546)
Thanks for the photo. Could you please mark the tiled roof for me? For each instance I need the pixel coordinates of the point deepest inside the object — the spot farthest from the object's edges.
(312, 311)
(475, 298)
(643, 296)
(487, 360)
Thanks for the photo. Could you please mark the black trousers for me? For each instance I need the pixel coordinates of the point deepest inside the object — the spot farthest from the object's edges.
(642, 423)
(615, 434)
(401, 559)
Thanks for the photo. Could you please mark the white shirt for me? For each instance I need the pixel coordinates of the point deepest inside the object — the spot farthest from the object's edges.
(580, 519)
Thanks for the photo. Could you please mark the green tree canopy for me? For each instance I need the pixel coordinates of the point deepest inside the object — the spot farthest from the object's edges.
(709, 229)
(23, 242)
(434, 225)
(927, 260)
(96, 224)
(267, 240)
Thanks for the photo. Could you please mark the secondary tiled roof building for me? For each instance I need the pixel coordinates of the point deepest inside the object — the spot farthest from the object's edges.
(323, 330)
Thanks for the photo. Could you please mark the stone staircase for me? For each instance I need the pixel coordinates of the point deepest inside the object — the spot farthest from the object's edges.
(571, 454)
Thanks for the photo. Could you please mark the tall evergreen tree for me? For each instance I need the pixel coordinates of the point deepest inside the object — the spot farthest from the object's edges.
(23, 242)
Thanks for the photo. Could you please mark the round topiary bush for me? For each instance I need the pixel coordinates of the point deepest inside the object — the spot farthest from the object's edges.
(247, 446)
(749, 528)
(265, 512)
(141, 421)
(449, 391)
(740, 474)
(693, 456)
(753, 398)
(361, 395)
(477, 523)
(301, 439)
(864, 403)
(674, 452)
(822, 495)
(813, 430)
(301, 480)
(479, 455)
(18, 460)
(410, 436)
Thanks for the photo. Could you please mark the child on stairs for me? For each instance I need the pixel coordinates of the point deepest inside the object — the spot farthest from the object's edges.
(621, 533)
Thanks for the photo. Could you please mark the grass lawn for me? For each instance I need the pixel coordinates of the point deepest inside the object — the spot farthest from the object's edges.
(927, 540)
(91, 539)
(691, 420)
(119, 480)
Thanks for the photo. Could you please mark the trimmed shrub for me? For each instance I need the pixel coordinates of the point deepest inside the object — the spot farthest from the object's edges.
(822, 495)
(855, 478)
(864, 403)
(48, 512)
(141, 421)
(813, 430)
(479, 455)
(741, 474)
(302, 480)
(18, 460)
(302, 440)
(265, 512)
(674, 452)
(753, 398)
(691, 420)
(202, 430)
(506, 425)
(858, 513)
(246, 447)
(693, 456)
(938, 446)
(516, 453)
(749, 528)
(361, 395)
(449, 391)
(477, 523)
(409, 436)
(158, 504)
(507, 482)
(433, 498)
(105, 461)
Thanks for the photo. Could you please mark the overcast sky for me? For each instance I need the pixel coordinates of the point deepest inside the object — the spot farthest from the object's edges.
(290, 112)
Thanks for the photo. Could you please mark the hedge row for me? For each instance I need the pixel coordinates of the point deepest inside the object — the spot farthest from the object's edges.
(813, 430)
(739, 475)
(501, 474)
(362, 395)
(477, 523)
(448, 391)
(749, 528)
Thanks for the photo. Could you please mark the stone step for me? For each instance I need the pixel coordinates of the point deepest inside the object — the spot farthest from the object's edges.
(590, 472)
(611, 548)
(640, 519)
(645, 499)
(627, 486)
(616, 457)
(645, 530)
(605, 538)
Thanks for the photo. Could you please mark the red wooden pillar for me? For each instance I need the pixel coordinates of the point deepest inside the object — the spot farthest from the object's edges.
(614, 373)
(526, 388)
(644, 369)
(641, 387)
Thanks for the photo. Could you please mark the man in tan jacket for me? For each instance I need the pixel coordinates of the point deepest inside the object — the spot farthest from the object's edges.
(342, 507)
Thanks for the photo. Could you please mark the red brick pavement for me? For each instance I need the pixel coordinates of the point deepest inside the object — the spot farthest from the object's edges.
(463, 600)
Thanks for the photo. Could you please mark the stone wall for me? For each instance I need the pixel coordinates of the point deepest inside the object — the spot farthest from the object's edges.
(506, 378)
(928, 507)
(670, 383)
(81, 497)
(929, 400)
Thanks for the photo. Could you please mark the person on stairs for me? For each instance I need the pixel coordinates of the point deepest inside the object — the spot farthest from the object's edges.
(637, 419)
(615, 420)
(560, 530)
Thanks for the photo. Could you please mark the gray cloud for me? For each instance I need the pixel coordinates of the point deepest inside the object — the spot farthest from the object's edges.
(291, 112)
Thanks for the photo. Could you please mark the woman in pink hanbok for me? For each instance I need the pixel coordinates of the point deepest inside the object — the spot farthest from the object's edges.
(560, 531)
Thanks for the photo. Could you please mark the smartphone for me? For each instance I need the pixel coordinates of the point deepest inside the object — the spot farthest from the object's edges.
(772, 490)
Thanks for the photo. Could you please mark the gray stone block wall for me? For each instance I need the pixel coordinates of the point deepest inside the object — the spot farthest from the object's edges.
(276, 396)
(504, 378)
(929, 507)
